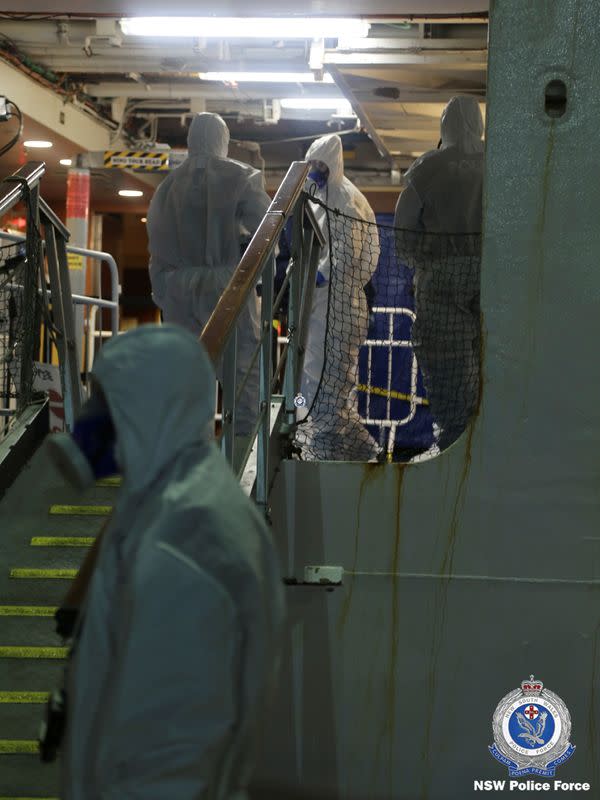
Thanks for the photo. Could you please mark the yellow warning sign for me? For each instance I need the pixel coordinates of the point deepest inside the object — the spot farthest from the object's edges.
(75, 261)
(143, 160)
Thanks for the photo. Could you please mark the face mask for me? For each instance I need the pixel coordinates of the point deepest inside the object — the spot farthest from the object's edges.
(88, 452)
(320, 178)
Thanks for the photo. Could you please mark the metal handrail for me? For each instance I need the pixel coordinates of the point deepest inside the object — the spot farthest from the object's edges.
(222, 321)
(54, 220)
(98, 255)
(219, 335)
(12, 189)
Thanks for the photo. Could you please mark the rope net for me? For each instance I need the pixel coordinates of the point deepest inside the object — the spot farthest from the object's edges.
(391, 368)
(18, 301)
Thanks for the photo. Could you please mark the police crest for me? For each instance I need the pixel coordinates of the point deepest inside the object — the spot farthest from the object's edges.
(531, 728)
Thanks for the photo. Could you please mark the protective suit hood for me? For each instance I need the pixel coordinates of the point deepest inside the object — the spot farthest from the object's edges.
(328, 149)
(159, 385)
(462, 124)
(208, 136)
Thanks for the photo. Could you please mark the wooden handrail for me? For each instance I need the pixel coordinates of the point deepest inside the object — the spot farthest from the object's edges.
(225, 315)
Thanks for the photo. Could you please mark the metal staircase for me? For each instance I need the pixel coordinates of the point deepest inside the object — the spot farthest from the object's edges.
(46, 531)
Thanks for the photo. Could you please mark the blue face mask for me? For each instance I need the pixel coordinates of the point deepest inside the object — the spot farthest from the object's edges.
(88, 452)
(320, 178)
(94, 434)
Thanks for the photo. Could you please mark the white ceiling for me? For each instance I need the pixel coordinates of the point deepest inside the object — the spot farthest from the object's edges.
(397, 80)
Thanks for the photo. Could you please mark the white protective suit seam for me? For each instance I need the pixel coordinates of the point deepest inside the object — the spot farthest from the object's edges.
(177, 554)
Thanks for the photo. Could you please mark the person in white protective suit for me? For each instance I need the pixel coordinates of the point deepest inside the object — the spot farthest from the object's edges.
(443, 195)
(356, 252)
(174, 656)
(196, 223)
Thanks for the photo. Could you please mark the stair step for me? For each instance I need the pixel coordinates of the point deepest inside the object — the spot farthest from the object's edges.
(82, 511)
(23, 697)
(20, 722)
(22, 651)
(28, 631)
(43, 574)
(25, 777)
(33, 592)
(18, 746)
(27, 611)
(31, 675)
(116, 480)
(62, 541)
(28, 557)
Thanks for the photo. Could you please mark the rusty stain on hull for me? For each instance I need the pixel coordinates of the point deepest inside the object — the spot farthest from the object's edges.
(371, 472)
(441, 591)
(387, 734)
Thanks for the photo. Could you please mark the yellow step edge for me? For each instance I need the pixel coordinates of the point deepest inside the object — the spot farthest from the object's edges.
(27, 611)
(62, 541)
(82, 511)
(33, 652)
(53, 574)
(14, 746)
(23, 697)
(116, 480)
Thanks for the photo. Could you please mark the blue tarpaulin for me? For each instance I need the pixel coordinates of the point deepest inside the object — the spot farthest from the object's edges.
(391, 287)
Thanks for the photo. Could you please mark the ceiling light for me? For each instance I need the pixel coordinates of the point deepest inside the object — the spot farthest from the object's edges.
(130, 193)
(246, 27)
(337, 104)
(41, 143)
(263, 77)
(66, 162)
(143, 219)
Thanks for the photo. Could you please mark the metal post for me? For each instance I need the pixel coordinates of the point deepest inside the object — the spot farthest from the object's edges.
(29, 298)
(63, 316)
(290, 385)
(265, 372)
(78, 216)
(229, 392)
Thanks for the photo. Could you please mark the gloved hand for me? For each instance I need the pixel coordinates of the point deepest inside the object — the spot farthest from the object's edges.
(66, 619)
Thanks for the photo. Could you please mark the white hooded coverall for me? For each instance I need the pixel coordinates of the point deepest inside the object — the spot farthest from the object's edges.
(443, 197)
(196, 221)
(333, 429)
(178, 642)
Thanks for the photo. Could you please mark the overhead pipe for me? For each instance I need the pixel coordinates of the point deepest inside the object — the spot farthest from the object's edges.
(211, 91)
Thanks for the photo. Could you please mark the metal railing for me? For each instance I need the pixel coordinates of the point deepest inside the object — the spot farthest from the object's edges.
(20, 290)
(24, 186)
(220, 336)
(94, 303)
(411, 397)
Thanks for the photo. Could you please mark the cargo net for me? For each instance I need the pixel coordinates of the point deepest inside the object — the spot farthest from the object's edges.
(17, 316)
(391, 368)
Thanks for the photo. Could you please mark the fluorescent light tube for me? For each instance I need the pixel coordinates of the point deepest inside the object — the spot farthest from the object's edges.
(66, 162)
(37, 143)
(263, 77)
(130, 193)
(337, 104)
(246, 27)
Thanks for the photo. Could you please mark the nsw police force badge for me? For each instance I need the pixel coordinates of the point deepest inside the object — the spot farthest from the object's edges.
(531, 728)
